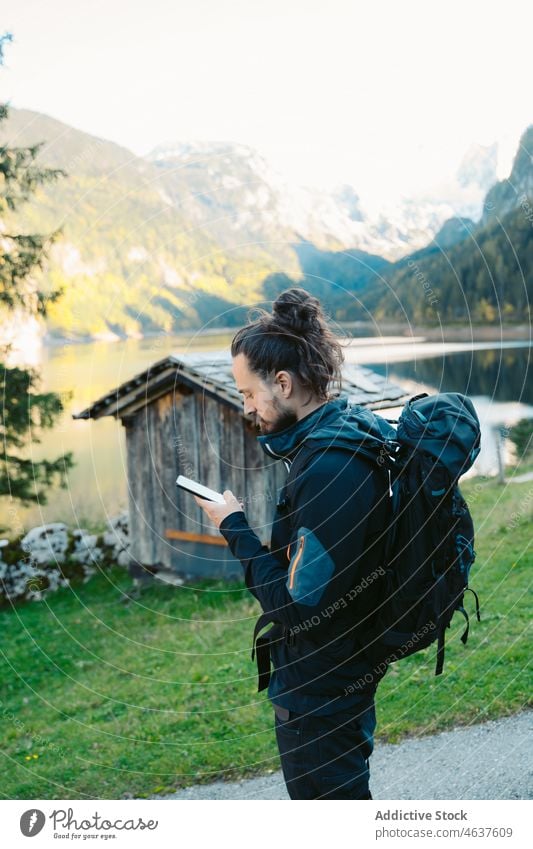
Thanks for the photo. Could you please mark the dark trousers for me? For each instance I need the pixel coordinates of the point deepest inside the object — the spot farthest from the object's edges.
(326, 757)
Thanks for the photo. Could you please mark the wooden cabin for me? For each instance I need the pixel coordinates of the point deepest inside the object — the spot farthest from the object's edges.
(183, 415)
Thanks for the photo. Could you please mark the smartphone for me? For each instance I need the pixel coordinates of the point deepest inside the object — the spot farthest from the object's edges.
(197, 489)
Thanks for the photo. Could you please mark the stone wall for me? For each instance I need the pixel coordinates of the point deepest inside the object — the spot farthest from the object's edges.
(51, 556)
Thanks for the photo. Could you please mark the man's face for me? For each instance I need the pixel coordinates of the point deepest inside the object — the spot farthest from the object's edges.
(264, 402)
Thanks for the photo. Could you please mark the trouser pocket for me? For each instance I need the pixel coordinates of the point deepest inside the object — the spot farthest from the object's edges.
(326, 757)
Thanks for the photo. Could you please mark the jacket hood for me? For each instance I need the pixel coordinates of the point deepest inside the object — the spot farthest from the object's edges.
(337, 422)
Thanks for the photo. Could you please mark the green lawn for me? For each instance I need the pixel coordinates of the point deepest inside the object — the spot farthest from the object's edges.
(101, 699)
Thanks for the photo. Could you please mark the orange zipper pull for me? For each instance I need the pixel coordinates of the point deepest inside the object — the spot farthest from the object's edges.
(296, 560)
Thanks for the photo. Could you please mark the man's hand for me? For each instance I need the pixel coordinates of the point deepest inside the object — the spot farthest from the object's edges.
(217, 512)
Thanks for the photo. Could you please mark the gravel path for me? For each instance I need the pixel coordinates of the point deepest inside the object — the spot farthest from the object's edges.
(489, 761)
(527, 476)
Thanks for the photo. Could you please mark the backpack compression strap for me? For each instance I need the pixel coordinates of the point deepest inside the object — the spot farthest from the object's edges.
(261, 647)
(441, 642)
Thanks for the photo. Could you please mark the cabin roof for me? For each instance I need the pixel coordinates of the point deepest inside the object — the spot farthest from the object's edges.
(211, 374)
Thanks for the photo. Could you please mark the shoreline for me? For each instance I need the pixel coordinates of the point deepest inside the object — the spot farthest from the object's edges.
(450, 333)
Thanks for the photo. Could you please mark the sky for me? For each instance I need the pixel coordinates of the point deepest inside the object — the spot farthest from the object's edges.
(384, 95)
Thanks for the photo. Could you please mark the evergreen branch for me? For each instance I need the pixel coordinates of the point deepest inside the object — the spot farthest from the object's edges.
(28, 480)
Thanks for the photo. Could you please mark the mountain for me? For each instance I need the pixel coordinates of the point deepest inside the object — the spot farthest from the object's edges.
(453, 230)
(479, 167)
(226, 191)
(186, 236)
(475, 272)
(230, 189)
(508, 194)
(130, 260)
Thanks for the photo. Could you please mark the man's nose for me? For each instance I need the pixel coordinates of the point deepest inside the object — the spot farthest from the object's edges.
(249, 407)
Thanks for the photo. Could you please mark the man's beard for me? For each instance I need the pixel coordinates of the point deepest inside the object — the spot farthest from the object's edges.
(284, 419)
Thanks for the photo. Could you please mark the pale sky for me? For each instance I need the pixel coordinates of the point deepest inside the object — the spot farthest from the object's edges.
(385, 94)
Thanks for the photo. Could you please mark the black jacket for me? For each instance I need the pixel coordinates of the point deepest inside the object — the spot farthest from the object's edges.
(320, 577)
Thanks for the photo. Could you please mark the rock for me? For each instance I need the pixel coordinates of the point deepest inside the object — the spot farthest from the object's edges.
(123, 559)
(87, 556)
(46, 543)
(118, 538)
(109, 538)
(86, 551)
(85, 542)
(120, 523)
(169, 578)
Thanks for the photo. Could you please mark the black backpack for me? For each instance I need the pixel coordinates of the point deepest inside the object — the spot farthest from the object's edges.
(430, 541)
(429, 546)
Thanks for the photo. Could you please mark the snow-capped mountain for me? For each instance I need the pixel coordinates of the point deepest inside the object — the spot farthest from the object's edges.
(231, 188)
(517, 189)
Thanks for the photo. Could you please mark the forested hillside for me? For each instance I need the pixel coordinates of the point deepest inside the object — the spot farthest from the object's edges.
(469, 272)
(130, 260)
(191, 235)
(487, 276)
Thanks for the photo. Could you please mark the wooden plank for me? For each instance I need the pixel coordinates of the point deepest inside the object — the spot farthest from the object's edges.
(165, 474)
(232, 471)
(171, 533)
(145, 493)
(186, 446)
(156, 462)
(134, 483)
(208, 412)
(148, 418)
(139, 485)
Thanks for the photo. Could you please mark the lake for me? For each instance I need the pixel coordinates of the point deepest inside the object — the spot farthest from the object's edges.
(496, 375)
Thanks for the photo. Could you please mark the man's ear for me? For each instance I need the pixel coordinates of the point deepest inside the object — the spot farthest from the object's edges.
(285, 382)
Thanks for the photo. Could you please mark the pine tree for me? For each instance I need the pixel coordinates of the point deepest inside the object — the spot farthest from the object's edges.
(522, 435)
(25, 411)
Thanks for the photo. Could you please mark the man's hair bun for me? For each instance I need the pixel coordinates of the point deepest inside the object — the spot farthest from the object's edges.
(297, 310)
(294, 336)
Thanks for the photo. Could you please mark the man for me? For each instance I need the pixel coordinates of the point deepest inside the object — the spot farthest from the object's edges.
(319, 579)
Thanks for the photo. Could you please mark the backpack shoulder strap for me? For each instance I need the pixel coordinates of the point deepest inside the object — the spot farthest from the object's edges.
(308, 450)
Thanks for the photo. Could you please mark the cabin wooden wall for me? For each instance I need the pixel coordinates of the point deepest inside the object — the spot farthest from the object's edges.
(187, 432)
(151, 471)
(138, 479)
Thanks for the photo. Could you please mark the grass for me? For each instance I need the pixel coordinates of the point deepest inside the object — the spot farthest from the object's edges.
(102, 699)
(522, 468)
